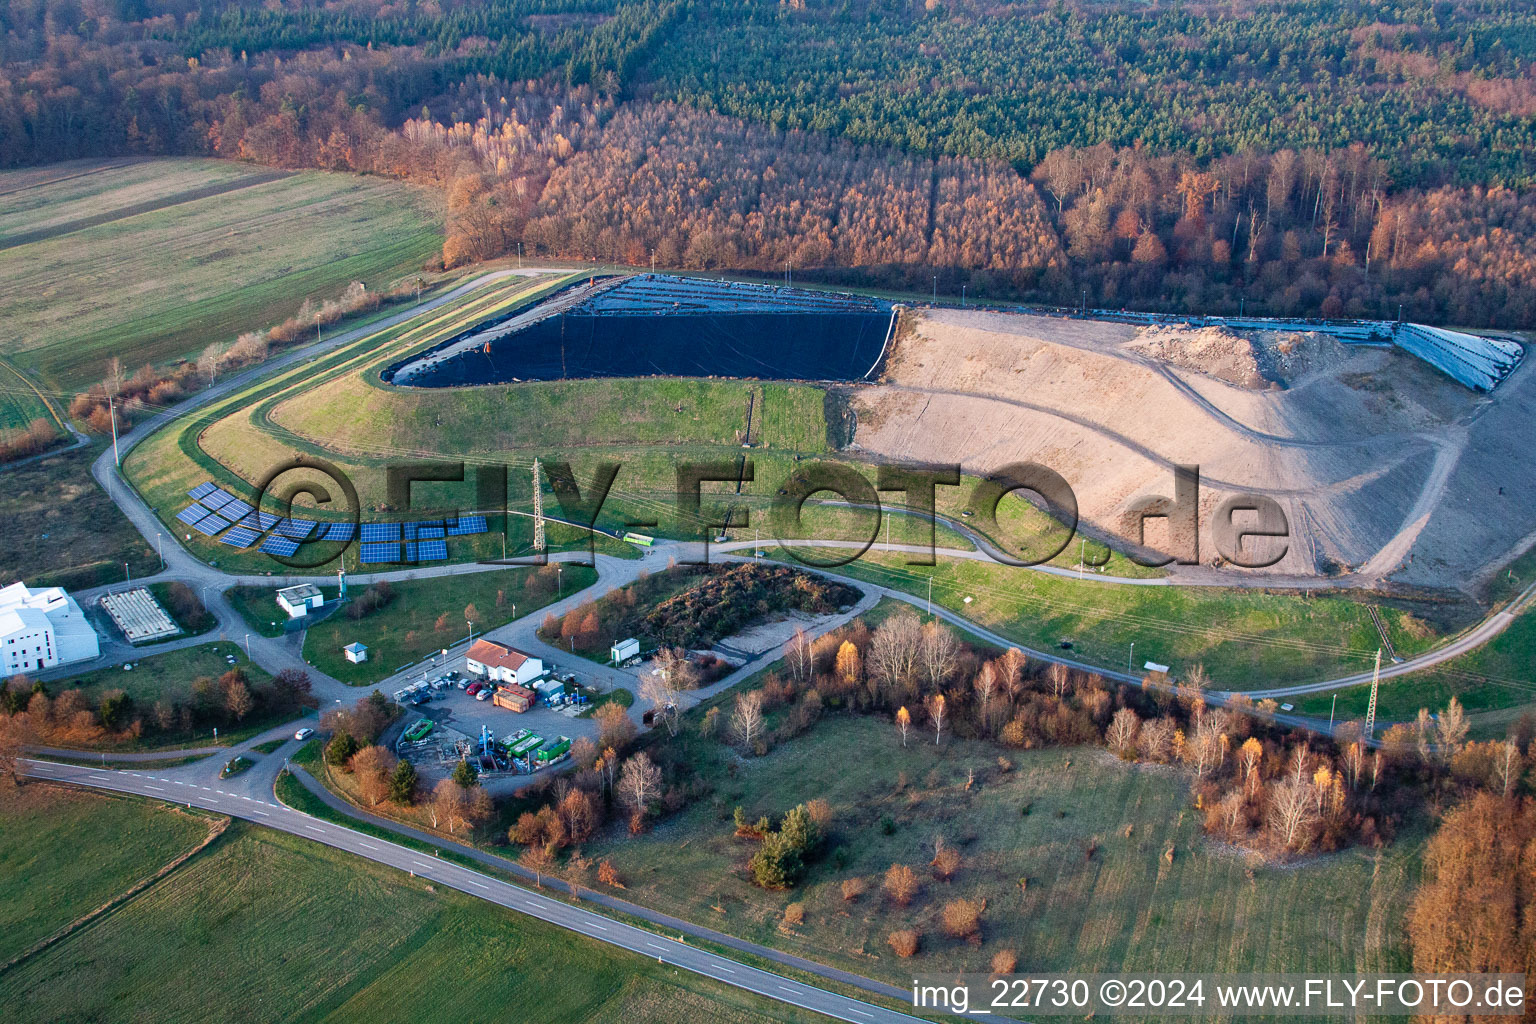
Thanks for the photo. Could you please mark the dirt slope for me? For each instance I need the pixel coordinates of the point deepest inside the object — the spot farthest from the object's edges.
(1369, 452)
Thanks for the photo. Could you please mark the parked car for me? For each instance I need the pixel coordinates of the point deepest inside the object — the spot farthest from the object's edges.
(484, 694)
(303, 734)
(475, 688)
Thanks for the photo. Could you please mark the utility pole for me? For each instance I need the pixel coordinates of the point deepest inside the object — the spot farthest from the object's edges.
(538, 509)
(930, 597)
(935, 289)
(1334, 707)
(1370, 711)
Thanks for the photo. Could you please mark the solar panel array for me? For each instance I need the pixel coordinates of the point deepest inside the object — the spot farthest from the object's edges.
(297, 529)
(240, 537)
(373, 553)
(466, 525)
(210, 525)
(379, 532)
(215, 510)
(279, 545)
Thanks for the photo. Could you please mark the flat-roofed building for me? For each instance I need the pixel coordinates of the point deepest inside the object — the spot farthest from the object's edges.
(42, 628)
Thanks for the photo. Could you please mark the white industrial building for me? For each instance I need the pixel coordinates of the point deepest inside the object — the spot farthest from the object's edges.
(501, 664)
(299, 600)
(42, 628)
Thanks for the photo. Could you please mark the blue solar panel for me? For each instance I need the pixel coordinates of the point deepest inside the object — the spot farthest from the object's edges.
(425, 532)
(235, 509)
(216, 499)
(192, 514)
(467, 525)
(297, 529)
(210, 525)
(374, 554)
(338, 531)
(410, 530)
(206, 487)
(266, 520)
(275, 545)
(240, 537)
(379, 532)
(410, 551)
(431, 551)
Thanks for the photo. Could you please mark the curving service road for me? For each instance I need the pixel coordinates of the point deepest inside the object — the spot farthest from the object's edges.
(249, 795)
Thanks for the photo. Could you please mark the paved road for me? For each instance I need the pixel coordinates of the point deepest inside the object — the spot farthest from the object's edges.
(225, 800)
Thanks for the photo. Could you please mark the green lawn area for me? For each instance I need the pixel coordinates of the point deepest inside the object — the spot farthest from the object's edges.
(1246, 639)
(1125, 908)
(301, 932)
(64, 852)
(61, 529)
(162, 283)
(258, 607)
(1500, 674)
(404, 631)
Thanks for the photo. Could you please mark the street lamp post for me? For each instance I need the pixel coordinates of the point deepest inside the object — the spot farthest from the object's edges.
(247, 647)
(1129, 657)
(930, 597)
(560, 580)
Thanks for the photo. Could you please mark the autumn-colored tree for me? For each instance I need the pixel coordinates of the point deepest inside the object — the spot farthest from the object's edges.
(609, 875)
(853, 888)
(1475, 909)
(961, 919)
(901, 884)
(903, 723)
(372, 767)
(615, 729)
(904, 942)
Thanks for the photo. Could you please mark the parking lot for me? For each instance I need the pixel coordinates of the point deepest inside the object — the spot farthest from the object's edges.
(459, 718)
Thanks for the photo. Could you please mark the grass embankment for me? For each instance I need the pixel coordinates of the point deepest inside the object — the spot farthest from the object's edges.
(268, 908)
(257, 607)
(165, 281)
(1125, 907)
(405, 631)
(1246, 639)
(64, 852)
(61, 529)
(1498, 675)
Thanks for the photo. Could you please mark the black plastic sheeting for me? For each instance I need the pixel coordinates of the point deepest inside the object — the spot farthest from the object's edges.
(768, 346)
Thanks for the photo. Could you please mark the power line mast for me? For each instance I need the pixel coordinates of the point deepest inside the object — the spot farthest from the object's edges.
(538, 510)
(1370, 711)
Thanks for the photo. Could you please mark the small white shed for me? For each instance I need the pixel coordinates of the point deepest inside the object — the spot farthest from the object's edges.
(299, 600)
(355, 652)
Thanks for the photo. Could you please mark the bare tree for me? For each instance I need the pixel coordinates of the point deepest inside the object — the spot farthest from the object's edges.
(985, 685)
(747, 718)
(1057, 676)
(1292, 814)
(639, 782)
(448, 806)
(1122, 732)
(661, 688)
(894, 652)
(1249, 756)
(797, 655)
(938, 648)
(1451, 730)
(1506, 766)
(901, 884)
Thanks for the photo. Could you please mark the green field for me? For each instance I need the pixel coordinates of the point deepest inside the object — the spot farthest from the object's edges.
(1124, 908)
(403, 632)
(160, 284)
(300, 932)
(64, 852)
(61, 529)
(1246, 639)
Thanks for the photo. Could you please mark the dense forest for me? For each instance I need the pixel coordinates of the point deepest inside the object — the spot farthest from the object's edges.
(1343, 158)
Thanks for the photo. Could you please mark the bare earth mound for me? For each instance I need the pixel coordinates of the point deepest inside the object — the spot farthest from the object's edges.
(1383, 466)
